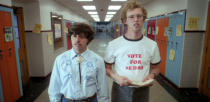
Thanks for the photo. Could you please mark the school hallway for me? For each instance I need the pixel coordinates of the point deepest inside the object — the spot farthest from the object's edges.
(157, 92)
(161, 91)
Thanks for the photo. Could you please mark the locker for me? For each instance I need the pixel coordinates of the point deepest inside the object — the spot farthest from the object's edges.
(8, 64)
(68, 25)
(173, 72)
(145, 28)
(151, 29)
(183, 70)
(162, 41)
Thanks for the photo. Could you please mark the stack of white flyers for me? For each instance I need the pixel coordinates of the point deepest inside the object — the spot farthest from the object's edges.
(141, 84)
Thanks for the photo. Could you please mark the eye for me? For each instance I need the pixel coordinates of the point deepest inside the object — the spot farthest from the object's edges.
(139, 16)
(132, 16)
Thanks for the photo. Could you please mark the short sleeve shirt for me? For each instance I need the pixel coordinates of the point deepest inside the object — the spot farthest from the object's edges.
(132, 58)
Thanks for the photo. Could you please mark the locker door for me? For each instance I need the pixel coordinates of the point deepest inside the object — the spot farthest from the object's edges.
(163, 42)
(174, 67)
(8, 69)
(2, 54)
(151, 28)
(68, 25)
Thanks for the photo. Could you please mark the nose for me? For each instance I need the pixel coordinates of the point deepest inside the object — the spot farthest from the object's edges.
(136, 18)
(77, 38)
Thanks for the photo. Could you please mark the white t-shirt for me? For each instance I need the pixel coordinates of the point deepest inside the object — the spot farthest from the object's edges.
(132, 58)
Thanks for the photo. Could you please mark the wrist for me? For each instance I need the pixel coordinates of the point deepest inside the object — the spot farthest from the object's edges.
(154, 74)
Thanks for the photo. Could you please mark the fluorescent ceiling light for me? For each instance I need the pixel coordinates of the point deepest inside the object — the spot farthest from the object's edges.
(118, 0)
(96, 19)
(114, 7)
(92, 12)
(109, 16)
(111, 12)
(86, 7)
(54, 16)
(107, 19)
(94, 16)
(84, 0)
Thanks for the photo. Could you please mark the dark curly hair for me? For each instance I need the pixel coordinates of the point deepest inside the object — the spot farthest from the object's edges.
(82, 28)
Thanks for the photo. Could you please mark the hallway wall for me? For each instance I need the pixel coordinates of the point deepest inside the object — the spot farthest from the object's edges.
(47, 6)
(160, 7)
(6, 2)
(197, 8)
(41, 53)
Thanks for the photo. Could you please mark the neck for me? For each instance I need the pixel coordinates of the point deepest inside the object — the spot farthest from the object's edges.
(133, 35)
(78, 52)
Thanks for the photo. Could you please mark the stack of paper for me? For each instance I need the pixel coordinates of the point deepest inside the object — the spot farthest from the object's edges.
(141, 84)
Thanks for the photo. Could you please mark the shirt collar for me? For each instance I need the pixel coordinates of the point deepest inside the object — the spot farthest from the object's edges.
(83, 55)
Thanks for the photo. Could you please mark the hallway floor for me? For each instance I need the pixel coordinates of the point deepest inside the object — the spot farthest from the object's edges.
(161, 91)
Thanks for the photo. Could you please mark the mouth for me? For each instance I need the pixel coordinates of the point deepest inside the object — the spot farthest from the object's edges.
(136, 25)
(77, 44)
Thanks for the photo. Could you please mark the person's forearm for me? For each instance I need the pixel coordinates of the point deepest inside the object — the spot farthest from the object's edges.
(155, 70)
(110, 72)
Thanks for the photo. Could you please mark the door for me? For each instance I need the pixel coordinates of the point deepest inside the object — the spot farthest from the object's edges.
(22, 44)
(205, 73)
(8, 64)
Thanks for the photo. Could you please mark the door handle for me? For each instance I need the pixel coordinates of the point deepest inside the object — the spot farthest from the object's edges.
(10, 53)
(1, 55)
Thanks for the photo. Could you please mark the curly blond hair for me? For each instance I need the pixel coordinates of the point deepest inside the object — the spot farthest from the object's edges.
(130, 5)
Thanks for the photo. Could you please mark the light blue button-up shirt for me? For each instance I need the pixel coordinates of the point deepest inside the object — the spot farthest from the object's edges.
(65, 77)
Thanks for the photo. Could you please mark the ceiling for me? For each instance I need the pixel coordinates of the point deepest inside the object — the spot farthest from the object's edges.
(101, 7)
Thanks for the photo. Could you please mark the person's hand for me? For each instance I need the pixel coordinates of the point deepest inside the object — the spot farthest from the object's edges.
(148, 77)
(123, 81)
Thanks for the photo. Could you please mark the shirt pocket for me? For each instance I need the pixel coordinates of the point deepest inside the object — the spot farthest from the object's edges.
(67, 77)
(90, 78)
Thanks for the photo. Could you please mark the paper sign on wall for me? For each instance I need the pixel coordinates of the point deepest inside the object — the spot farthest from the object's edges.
(49, 38)
(193, 23)
(149, 30)
(172, 54)
(37, 28)
(157, 30)
(8, 32)
(179, 30)
(168, 31)
(144, 31)
(57, 30)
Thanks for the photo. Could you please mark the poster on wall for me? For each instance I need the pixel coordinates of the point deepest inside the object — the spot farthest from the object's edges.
(8, 32)
(193, 23)
(168, 31)
(179, 30)
(57, 31)
(37, 28)
(172, 54)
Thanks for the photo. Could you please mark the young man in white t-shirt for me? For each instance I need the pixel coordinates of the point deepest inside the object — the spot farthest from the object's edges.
(134, 56)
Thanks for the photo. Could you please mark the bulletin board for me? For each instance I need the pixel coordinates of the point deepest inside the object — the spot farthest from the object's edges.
(57, 29)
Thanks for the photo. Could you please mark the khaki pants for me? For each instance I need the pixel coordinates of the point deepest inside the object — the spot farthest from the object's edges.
(129, 94)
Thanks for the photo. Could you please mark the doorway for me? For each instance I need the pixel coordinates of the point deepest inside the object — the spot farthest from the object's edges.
(205, 73)
(18, 11)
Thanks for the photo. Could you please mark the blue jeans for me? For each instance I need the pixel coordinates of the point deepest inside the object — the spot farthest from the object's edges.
(63, 99)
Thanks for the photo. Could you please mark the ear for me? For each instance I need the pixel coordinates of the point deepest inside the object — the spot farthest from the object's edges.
(124, 22)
